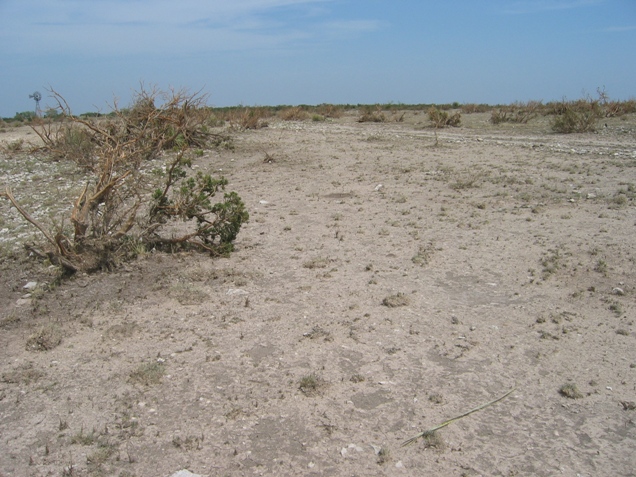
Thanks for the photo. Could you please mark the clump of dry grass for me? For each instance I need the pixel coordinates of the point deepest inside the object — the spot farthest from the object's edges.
(45, 339)
(148, 374)
(311, 385)
(570, 390)
(371, 114)
(295, 113)
(393, 301)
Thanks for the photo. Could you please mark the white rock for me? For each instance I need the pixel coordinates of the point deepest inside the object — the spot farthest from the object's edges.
(378, 187)
(184, 473)
(618, 291)
(30, 285)
(236, 291)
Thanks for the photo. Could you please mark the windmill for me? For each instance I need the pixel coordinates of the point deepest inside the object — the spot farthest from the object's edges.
(37, 97)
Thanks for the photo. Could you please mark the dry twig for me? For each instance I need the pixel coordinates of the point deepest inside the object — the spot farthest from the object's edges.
(446, 423)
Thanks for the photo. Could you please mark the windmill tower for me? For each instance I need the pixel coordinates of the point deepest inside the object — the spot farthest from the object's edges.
(37, 97)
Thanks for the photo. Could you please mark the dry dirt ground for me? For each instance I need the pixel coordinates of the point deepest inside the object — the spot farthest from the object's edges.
(383, 285)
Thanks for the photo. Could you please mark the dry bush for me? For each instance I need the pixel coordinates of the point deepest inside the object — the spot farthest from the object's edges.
(577, 116)
(441, 119)
(248, 118)
(144, 130)
(371, 114)
(518, 112)
(330, 111)
(472, 108)
(295, 113)
(125, 207)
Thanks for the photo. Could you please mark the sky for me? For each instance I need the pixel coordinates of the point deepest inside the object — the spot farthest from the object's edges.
(273, 52)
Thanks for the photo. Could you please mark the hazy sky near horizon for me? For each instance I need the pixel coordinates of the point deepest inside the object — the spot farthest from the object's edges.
(270, 52)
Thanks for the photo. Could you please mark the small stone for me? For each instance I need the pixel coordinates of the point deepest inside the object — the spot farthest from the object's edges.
(378, 187)
(30, 285)
(399, 464)
(618, 291)
(236, 291)
(185, 473)
(591, 196)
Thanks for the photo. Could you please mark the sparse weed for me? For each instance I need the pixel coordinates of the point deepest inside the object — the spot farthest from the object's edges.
(148, 374)
(570, 390)
(371, 114)
(441, 119)
(295, 113)
(311, 384)
(393, 301)
(45, 339)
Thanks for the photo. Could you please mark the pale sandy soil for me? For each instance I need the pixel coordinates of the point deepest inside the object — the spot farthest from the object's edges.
(510, 250)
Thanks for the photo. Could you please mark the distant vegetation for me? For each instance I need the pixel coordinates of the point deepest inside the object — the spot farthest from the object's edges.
(567, 116)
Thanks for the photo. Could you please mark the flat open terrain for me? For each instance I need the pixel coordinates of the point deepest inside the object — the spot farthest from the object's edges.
(383, 285)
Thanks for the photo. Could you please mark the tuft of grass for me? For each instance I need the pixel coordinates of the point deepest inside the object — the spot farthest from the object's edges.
(423, 255)
(433, 440)
(571, 391)
(317, 263)
(45, 339)
(148, 374)
(393, 301)
(616, 307)
(311, 385)
(371, 114)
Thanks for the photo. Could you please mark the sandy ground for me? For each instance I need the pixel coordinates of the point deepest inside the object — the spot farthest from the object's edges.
(382, 286)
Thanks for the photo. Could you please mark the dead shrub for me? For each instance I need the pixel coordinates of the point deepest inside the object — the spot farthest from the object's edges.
(125, 207)
(518, 112)
(144, 129)
(293, 114)
(441, 119)
(330, 111)
(471, 108)
(371, 114)
(248, 118)
(577, 117)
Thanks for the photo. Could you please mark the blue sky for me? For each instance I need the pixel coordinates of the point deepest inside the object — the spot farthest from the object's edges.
(269, 52)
